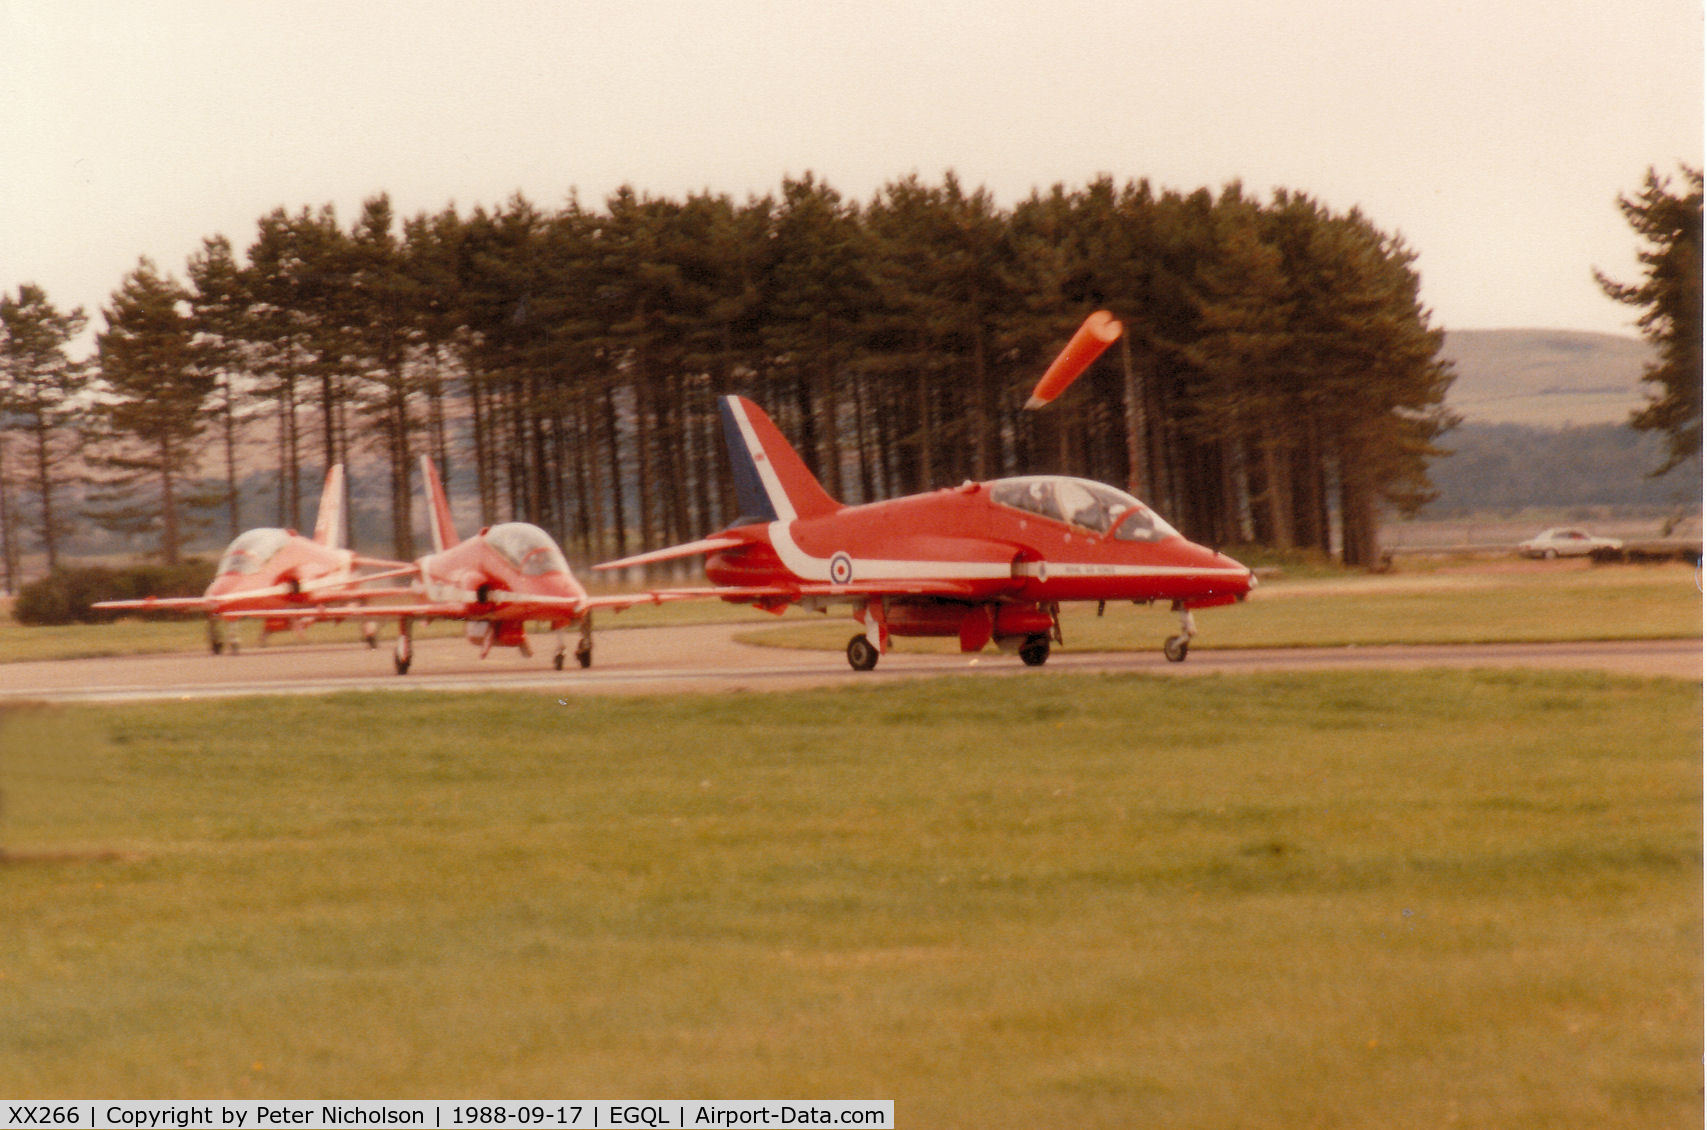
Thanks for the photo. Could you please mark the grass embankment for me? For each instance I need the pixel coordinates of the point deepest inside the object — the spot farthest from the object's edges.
(1352, 900)
(1567, 601)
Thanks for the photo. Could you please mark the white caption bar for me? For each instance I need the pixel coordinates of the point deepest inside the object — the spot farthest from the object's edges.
(509, 1114)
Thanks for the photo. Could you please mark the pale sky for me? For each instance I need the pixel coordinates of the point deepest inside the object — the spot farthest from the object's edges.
(1495, 136)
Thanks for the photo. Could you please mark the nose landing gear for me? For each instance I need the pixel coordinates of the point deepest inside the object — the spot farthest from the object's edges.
(1176, 647)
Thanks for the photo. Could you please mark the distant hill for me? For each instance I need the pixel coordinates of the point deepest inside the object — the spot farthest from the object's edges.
(1545, 378)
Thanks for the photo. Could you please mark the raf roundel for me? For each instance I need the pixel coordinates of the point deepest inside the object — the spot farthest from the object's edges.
(841, 569)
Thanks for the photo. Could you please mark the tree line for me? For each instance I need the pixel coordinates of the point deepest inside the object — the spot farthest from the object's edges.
(1278, 383)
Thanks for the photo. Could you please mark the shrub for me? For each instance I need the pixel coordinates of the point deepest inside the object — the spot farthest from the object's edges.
(65, 595)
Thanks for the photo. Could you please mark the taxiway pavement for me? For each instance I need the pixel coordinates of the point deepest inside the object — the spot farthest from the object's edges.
(708, 658)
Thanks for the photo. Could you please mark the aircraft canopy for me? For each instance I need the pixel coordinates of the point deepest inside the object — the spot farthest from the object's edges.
(252, 549)
(528, 548)
(1081, 502)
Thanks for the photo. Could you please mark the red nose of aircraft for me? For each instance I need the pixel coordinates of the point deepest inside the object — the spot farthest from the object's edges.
(1227, 576)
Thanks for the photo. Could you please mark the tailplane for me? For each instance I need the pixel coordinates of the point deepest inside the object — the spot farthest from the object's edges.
(438, 508)
(329, 528)
(771, 482)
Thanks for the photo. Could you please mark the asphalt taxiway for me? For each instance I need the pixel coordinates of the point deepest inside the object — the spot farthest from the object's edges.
(708, 658)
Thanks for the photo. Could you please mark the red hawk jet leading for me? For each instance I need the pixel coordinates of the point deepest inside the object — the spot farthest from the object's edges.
(981, 562)
(281, 577)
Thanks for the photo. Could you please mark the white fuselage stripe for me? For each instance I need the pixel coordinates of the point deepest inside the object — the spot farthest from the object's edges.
(817, 569)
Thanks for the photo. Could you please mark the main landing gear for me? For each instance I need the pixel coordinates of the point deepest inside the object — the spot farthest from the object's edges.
(1034, 652)
(583, 646)
(1029, 630)
(1176, 647)
(219, 636)
(405, 650)
(862, 654)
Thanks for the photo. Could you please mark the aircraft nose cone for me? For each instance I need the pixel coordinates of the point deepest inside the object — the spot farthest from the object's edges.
(1248, 580)
(1230, 575)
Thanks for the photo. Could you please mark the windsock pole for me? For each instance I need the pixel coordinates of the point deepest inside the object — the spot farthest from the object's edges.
(1098, 332)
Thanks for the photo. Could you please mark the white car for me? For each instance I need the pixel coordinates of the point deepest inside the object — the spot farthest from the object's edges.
(1562, 541)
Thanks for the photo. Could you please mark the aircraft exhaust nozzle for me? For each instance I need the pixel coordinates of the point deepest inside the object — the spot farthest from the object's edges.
(1098, 332)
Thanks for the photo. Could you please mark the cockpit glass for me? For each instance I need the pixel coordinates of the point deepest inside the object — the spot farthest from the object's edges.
(528, 548)
(1143, 524)
(1081, 502)
(252, 550)
(1036, 496)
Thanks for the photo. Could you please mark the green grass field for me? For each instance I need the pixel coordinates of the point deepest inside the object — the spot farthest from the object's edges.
(1385, 900)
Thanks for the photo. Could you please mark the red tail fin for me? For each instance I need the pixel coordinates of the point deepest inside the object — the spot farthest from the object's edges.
(771, 481)
(329, 520)
(438, 508)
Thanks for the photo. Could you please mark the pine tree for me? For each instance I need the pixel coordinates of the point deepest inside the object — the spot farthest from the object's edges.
(152, 409)
(814, 280)
(219, 313)
(380, 308)
(39, 390)
(1670, 298)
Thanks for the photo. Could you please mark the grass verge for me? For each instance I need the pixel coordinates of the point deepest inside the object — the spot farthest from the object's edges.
(1350, 900)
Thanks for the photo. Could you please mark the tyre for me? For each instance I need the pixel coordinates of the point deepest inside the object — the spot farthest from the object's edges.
(861, 655)
(1175, 648)
(1034, 652)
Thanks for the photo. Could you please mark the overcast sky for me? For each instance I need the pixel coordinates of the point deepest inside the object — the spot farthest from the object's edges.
(1495, 135)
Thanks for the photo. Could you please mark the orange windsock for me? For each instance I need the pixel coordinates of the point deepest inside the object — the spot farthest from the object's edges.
(1097, 334)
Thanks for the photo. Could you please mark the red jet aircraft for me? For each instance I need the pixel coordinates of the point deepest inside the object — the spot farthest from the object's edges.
(496, 581)
(983, 561)
(281, 577)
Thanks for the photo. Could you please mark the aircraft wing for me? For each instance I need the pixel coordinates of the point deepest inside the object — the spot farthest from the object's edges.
(548, 607)
(326, 589)
(791, 593)
(391, 568)
(158, 604)
(435, 611)
(653, 596)
(671, 553)
(192, 603)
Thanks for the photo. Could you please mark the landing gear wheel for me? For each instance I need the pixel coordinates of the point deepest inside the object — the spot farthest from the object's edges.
(861, 655)
(557, 660)
(1034, 652)
(400, 662)
(583, 645)
(1175, 648)
(404, 653)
